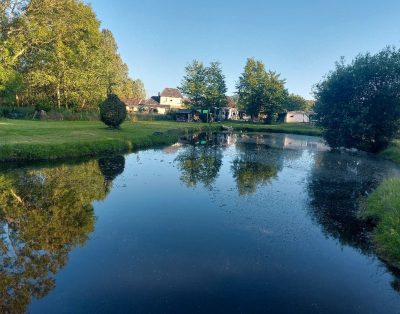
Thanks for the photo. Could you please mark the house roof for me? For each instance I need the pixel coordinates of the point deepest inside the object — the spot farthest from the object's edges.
(231, 102)
(132, 102)
(171, 92)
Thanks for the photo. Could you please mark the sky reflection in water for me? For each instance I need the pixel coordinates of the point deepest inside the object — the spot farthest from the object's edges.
(215, 223)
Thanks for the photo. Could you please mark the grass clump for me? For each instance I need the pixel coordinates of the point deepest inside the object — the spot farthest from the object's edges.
(383, 208)
(393, 152)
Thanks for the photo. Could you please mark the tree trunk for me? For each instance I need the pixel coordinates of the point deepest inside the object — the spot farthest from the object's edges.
(58, 96)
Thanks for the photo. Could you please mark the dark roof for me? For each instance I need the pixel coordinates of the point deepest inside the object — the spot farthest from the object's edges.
(152, 101)
(171, 92)
(184, 111)
(132, 102)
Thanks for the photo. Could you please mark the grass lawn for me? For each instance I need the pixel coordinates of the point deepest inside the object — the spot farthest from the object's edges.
(41, 140)
(383, 207)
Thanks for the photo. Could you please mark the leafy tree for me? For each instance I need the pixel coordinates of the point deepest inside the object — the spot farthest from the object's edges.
(194, 84)
(297, 103)
(54, 51)
(113, 111)
(138, 90)
(261, 91)
(215, 91)
(358, 104)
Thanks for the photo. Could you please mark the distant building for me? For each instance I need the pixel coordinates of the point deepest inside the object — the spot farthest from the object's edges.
(170, 99)
(297, 117)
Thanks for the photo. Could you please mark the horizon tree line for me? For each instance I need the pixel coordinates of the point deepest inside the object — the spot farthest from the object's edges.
(258, 90)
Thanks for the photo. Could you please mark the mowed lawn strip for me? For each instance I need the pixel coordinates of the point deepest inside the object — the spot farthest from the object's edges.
(41, 140)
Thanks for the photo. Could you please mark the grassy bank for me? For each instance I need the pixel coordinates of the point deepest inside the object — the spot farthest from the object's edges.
(43, 140)
(383, 208)
(393, 152)
(296, 128)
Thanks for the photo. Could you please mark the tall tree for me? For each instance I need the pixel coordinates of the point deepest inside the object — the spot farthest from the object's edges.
(358, 104)
(54, 51)
(260, 91)
(138, 90)
(204, 86)
(215, 91)
(193, 84)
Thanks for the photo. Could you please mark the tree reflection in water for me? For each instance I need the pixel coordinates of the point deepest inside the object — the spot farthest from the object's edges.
(44, 214)
(200, 163)
(251, 169)
(337, 185)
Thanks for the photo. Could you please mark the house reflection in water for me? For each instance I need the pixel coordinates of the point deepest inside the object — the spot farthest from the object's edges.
(225, 139)
(285, 141)
(218, 139)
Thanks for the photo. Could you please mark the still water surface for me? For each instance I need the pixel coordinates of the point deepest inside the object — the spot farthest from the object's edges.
(215, 223)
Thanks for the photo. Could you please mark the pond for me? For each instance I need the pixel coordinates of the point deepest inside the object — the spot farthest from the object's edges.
(226, 223)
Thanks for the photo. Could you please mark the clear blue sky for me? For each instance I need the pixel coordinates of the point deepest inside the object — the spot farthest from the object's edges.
(301, 39)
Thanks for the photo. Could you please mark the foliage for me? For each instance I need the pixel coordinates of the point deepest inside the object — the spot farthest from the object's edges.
(44, 214)
(393, 151)
(53, 50)
(194, 84)
(215, 92)
(113, 111)
(261, 91)
(297, 103)
(43, 105)
(358, 104)
(204, 86)
(199, 164)
(383, 207)
(249, 175)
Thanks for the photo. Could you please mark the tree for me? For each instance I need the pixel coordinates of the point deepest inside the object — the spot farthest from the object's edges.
(260, 91)
(193, 84)
(61, 62)
(138, 90)
(215, 91)
(297, 103)
(54, 51)
(113, 111)
(358, 104)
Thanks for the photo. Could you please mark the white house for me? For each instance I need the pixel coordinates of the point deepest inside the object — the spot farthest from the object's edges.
(171, 97)
(297, 117)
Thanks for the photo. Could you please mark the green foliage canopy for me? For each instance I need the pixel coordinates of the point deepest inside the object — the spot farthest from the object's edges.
(261, 91)
(358, 104)
(295, 102)
(204, 86)
(113, 111)
(54, 51)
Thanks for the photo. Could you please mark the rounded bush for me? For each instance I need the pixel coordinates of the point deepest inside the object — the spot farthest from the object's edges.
(113, 111)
